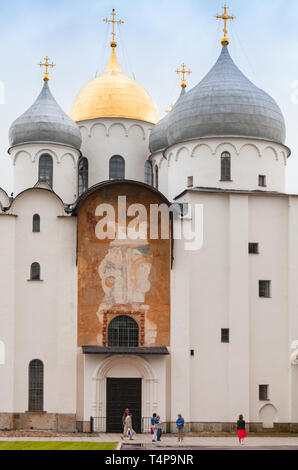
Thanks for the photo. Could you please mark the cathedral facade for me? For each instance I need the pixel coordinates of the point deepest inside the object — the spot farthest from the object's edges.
(90, 325)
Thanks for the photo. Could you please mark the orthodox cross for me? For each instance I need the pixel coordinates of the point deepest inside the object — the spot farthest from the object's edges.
(183, 72)
(225, 17)
(47, 64)
(113, 21)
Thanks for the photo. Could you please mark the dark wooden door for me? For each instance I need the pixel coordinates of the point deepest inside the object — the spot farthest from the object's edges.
(122, 394)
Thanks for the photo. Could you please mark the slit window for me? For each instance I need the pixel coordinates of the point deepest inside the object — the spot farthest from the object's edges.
(225, 335)
(253, 248)
(36, 384)
(36, 223)
(226, 166)
(263, 392)
(262, 180)
(265, 289)
(46, 169)
(35, 272)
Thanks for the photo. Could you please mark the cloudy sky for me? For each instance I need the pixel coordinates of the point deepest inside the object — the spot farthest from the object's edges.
(156, 37)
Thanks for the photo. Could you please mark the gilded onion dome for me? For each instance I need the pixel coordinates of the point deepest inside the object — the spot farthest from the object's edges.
(226, 104)
(114, 95)
(45, 122)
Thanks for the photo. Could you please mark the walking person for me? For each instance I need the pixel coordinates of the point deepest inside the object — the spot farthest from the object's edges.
(180, 427)
(154, 427)
(124, 417)
(159, 430)
(241, 429)
(128, 428)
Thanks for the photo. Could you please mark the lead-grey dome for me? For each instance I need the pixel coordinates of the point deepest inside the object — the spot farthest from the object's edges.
(226, 104)
(159, 135)
(45, 122)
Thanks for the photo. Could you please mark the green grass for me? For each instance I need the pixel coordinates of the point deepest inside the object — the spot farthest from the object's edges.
(15, 445)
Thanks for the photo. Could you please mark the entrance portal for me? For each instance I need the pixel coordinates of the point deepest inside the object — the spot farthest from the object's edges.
(122, 394)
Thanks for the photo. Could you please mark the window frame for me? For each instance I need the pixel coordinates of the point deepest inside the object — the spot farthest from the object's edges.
(149, 180)
(226, 172)
(262, 181)
(117, 332)
(36, 386)
(225, 335)
(35, 277)
(83, 176)
(267, 289)
(264, 388)
(36, 223)
(47, 168)
(116, 169)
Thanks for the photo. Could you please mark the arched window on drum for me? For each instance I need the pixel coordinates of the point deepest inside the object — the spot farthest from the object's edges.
(45, 172)
(225, 166)
(83, 172)
(148, 173)
(117, 168)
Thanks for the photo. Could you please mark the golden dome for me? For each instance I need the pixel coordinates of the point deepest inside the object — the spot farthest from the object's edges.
(113, 95)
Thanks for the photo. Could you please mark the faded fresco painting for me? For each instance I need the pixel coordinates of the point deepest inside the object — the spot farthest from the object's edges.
(122, 277)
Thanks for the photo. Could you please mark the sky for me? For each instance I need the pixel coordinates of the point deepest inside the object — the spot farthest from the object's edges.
(157, 36)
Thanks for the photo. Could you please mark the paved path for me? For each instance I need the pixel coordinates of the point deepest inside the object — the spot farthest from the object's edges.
(144, 442)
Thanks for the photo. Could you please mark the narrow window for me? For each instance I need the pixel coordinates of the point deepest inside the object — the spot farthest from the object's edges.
(226, 166)
(35, 272)
(262, 180)
(225, 335)
(263, 392)
(117, 168)
(148, 173)
(46, 169)
(156, 177)
(265, 289)
(123, 332)
(36, 385)
(83, 172)
(190, 182)
(36, 223)
(253, 248)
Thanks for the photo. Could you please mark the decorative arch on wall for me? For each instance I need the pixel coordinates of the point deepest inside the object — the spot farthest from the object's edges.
(68, 154)
(99, 125)
(224, 144)
(137, 126)
(51, 152)
(170, 158)
(196, 147)
(273, 150)
(84, 130)
(251, 145)
(179, 151)
(20, 152)
(268, 415)
(118, 124)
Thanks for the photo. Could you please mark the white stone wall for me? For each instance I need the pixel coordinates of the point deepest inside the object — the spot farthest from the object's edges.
(222, 292)
(39, 319)
(201, 160)
(103, 138)
(65, 169)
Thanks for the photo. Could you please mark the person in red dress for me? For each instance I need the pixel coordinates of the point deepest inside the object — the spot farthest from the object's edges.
(241, 429)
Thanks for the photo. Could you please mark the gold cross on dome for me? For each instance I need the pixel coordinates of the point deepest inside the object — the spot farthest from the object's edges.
(47, 64)
(113, 21)
(225, 17)
(183, 72)
(171, 108)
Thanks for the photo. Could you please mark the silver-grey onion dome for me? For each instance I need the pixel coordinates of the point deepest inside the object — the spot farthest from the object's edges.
(45, 122)
(159, 135)
(226, 104)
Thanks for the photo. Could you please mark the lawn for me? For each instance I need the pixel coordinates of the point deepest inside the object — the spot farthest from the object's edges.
(16, 445)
